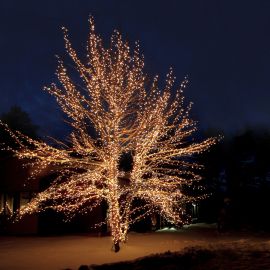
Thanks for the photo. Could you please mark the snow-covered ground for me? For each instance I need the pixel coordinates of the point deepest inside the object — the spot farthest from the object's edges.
(69, 252)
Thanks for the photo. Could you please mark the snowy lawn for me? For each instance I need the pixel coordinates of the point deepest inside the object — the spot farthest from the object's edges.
(69, 252)
(237, 256)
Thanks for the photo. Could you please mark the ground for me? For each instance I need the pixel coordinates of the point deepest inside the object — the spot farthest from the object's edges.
(69, 252)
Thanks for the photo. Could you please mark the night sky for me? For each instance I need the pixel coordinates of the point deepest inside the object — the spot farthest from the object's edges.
(224, 47)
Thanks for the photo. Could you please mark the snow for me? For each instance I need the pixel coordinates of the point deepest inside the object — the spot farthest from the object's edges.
(69, 252)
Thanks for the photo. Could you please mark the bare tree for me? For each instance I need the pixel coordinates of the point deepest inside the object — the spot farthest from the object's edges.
(150, 124)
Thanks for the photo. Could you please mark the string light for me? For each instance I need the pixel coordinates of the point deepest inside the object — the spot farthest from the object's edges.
(148, 123)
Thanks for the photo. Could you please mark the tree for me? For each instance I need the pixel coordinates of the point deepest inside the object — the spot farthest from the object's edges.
(116, 114)
(19, 120)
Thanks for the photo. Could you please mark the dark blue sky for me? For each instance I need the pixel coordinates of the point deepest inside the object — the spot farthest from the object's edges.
(224, 47)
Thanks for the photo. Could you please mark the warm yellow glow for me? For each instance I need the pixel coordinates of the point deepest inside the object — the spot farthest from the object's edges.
(128, 116)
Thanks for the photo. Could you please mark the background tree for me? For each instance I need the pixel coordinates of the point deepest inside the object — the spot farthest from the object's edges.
(238, 170)
(116, 113)
(19, 120)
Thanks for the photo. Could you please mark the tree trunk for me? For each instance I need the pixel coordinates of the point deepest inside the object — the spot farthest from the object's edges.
(115, 223)
(116, 247)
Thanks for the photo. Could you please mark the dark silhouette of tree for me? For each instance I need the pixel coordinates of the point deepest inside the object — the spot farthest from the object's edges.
(17, 120)
(10, 167)
(238, 168)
